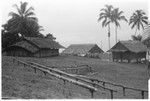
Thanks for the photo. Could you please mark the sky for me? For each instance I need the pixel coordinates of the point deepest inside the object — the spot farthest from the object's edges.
(75, 21)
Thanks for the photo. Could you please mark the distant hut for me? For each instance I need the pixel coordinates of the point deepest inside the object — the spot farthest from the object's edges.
(83, 49)
(128, 50)
(34, 47)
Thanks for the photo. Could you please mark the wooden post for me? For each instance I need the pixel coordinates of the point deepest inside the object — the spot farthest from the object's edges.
(64, 81)
(124, 91)
(104, 84)
(111, 93)
(34, 70)
(142, 93)
(44, 73)
(92, 93)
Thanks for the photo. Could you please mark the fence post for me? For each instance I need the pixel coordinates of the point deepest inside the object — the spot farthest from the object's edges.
(44, 73)
(34, 70)
(111, 92)
(64, 81)
(104, 85)
(92, 93)
(124, 91)
(142, 93)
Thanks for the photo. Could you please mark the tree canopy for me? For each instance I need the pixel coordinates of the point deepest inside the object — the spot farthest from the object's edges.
(22, 22)
(138, 19)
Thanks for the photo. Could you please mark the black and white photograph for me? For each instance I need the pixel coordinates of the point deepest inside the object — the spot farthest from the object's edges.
(75, 49)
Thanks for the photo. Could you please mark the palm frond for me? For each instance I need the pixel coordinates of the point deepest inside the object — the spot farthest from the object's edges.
(142, 25)
(16, 6)
(123, 18)
(107, 23)
(104, 22)
(23, 6)
(13, 14)
(29, 14)
(29, 10)
(145, 21)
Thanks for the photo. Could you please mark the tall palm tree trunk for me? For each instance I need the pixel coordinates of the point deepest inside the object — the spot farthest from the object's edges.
(116, 32)
(109, 38)
(136, 30)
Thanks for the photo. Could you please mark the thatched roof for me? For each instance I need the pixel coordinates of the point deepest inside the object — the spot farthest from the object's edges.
(33, 44)
(27, 46)
(133, 46)
(80, 48)
(44, 42)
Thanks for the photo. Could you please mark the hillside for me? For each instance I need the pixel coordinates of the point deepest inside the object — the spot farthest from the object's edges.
(21, 82)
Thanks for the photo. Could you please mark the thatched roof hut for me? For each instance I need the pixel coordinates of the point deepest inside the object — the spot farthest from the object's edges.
(83, 49)
(33, 46)
(128, 50)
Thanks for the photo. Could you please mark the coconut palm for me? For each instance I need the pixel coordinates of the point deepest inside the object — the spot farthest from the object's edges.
(106, 16)
(117, 16)
(22, 20)
(138, 19)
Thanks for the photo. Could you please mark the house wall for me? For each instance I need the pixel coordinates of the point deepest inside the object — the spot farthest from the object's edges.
(21, 52)
(47, 53)
(18, 51)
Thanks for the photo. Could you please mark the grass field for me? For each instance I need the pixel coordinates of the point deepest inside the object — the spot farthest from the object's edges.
(21, 82)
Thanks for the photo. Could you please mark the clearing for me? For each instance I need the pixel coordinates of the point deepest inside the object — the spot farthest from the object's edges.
(22, 82)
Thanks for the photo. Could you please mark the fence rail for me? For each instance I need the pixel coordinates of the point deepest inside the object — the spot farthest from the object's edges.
(118, 85)
(83, 81)
(62, 75)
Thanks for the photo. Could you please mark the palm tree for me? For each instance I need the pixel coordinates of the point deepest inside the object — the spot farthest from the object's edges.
(106, 16)
(117, 16)
(23, 21)
(138, 19)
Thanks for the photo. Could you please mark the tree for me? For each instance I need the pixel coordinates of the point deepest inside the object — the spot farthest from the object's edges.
(137, 38)
(50, 36)
(138, 19)
(117, 16)
(106, 16)
(23, 21)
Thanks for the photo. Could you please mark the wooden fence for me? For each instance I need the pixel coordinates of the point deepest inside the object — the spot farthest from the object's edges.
(124, 88)
(91, 86)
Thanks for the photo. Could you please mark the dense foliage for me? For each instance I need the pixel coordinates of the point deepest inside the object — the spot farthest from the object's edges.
(22, 23)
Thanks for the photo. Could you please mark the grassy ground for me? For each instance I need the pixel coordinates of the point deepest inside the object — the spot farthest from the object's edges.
(21, 82)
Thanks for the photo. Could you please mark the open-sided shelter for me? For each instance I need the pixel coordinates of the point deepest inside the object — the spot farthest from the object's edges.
(128, 50)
